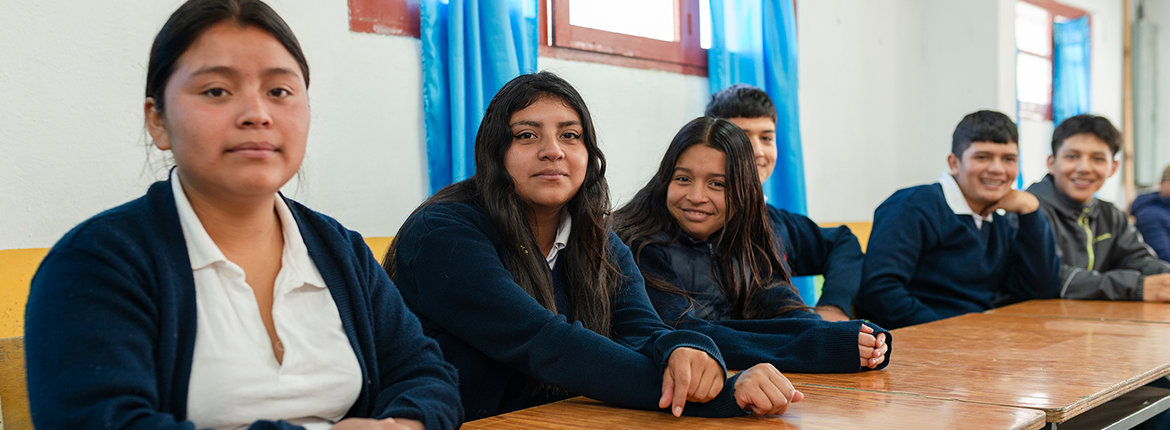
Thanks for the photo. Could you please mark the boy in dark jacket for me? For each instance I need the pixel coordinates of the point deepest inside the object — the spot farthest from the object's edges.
(1152, 212)
(809, 249)
(966, 243)
(1103, 257)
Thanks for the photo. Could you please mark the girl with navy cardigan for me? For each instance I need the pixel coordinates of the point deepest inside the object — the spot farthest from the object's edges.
(700, 234)
(213, 301)
(517, 275)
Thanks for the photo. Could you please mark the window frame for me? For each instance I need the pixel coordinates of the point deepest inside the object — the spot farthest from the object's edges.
(560, 39)
(1055, 10)
(389, 17)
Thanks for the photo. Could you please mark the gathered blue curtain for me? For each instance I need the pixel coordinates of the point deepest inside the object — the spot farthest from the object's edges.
(1070, 68)
(754, 42)
(470, 48)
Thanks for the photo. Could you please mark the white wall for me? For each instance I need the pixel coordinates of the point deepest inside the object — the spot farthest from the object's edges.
(72, 76)
(882, 84)
(1158, 11)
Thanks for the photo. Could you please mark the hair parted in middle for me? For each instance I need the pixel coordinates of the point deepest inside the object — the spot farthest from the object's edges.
(591, 274)
(748, 255)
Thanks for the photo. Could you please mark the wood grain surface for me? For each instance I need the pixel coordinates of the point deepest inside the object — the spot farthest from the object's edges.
(1061, 366)
(1091, 309)
(13, 386)
(822, 408)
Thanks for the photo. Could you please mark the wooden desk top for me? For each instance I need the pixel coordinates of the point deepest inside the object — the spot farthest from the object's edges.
(823, 408)
(1091, 309)
(1061, 366)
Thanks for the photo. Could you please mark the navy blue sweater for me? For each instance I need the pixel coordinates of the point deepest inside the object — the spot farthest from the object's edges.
(1152, 212)
(110, 325)
(811, 250)
(926, 263)
(794, 341)
(449, 266)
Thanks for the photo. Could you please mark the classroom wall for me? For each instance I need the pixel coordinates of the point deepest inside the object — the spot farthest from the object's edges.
(882, 83)
(1158, 11)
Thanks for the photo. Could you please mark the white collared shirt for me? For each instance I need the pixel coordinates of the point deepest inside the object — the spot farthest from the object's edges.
(958, 203)
(235, 378)
(561, 240)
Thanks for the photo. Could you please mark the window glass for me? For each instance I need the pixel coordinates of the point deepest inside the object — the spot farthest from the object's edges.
(1033, 79)
(654, 19)
(1032, 29)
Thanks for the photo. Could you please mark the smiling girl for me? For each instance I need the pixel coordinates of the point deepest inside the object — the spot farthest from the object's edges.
(214, 301)
(517, 275)
(699, 232)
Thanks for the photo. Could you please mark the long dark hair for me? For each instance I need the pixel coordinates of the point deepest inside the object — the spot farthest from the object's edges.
(591, 277)
(747, 254)
(193, 18)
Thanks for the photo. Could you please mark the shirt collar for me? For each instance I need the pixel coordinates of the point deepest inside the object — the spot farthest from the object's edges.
(562, 239)
(958, 204)
(203, 252)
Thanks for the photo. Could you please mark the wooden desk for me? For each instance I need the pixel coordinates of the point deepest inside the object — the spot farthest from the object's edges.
(823, 408)
(1061, 366)
(1091, 309)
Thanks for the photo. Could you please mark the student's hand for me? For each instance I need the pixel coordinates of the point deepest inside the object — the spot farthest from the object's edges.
(764, 391)
(385, 424)
(873, 349)
(691, 375)
(1156, 288)
(1020, 202)
(831, 313)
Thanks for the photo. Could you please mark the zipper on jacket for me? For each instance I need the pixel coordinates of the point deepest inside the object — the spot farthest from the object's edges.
(1084, 223)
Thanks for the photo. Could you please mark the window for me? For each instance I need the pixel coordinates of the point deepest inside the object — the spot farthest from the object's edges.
(392, 17)
(649, 34)
(1034, 58)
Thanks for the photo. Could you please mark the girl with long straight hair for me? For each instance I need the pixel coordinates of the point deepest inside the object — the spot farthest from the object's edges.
(214, 301)
(517, 275)
(700, 234)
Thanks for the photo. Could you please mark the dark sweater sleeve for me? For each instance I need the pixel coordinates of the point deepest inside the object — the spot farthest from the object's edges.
(832, 252)
(900, 232)
(1131, 261)
(1155, 230)
(462, 285)
(89, 342)
(803, 342)
(1035, 271)
(416, 382)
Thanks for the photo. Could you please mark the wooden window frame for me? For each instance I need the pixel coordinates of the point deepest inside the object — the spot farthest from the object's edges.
(565, 41)
(390, 17)
(1044, 112)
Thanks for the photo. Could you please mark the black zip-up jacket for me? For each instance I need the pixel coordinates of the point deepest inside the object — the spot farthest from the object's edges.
(1102, 255)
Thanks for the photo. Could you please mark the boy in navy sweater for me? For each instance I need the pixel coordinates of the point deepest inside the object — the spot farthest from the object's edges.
(1103, 257)
(808, 249)
(1152, 217)
(966, 243)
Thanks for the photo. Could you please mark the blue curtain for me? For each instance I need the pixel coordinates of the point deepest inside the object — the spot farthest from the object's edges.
(470, 48)
(754, 42)
(1070, 68)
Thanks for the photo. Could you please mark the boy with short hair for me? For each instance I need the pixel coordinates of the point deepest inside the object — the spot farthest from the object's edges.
(811, 250)
(1103, 257)
(966, 243)
(1152, 212)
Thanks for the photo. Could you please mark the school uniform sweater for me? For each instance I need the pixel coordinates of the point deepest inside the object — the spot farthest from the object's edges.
(1102, 255)
(1152, 214)
(793, 341)
(450, 267)
(110, 325)
(925, 263)
(812, 250)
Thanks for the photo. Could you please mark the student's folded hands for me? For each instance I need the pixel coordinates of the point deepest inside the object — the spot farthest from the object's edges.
(872, 349)
(691, 375)
(765, 391)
